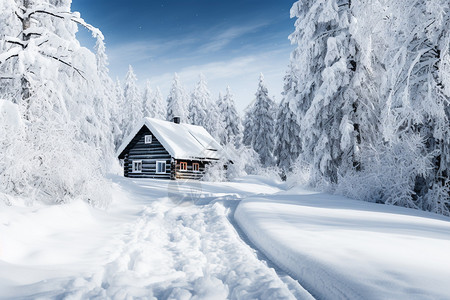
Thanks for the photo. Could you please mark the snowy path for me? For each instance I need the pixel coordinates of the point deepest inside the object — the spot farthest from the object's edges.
(179, 246)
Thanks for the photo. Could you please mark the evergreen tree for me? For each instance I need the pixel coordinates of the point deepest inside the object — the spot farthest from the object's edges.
(325, 61)
(117, 117)
(147, 105)
(158, 105)
(133, 103)
(154, 106)
(232, 128)
(287, 127)
(104, 99)
(176, 101)
(259, 125)
(199, 105)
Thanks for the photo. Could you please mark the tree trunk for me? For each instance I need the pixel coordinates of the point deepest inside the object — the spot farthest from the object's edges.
(25, 83)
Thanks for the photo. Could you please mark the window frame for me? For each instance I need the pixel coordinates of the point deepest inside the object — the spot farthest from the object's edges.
(183, 163)
(134, 168)
(196, 165)
(148, 137)
(164, 168)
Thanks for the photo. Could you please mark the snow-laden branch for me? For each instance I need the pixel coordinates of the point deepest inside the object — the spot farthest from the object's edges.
(74, 17)
(80, 72)
(9, 54)
(16, 41)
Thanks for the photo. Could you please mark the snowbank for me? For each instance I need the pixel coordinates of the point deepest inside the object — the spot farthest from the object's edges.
(344, 249)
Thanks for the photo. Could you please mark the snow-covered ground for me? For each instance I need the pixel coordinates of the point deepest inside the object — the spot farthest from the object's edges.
(179, 240)
(346, 249)
(163, 239)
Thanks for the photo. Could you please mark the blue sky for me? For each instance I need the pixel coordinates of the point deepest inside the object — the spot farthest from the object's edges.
(230, 42)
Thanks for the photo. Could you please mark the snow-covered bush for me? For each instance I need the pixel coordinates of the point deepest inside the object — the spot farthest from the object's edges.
(437, 199)
(390, 173)
(300, 174)
(244, 161)
(215, 171)
(238, 162)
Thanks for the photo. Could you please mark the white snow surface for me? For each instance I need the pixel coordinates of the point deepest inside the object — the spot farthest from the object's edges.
(159, 239)
(182, 141)
(345, 249)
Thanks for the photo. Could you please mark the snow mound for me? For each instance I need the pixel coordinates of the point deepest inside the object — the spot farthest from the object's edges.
(339, 248)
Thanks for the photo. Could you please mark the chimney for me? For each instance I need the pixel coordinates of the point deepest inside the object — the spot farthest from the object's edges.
(176, 120)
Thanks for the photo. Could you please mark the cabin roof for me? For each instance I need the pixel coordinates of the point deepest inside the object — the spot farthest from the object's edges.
(182, 141)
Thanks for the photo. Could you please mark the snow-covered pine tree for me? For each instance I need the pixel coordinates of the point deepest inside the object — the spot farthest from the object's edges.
(53, 81)
(154, 106)
(147, 98)
(104, 99)
(232, 127)
(259, 125)
(287, 127)
(198, 106)
(177, 101)
(202, 110)
(117, 117)
(325, 61)
(158, 105)
(133, 113)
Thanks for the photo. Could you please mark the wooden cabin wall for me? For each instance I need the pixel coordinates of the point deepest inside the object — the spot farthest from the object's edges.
(189, 173)
(149, 154)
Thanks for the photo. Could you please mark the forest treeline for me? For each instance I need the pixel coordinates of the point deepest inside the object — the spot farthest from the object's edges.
(365, 108)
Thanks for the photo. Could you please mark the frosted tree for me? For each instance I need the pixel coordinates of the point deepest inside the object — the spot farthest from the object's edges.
(402, 83)
(325, 59)
(117, 117)
(147, 98)
(132, 110)
(202, 110)
(177, 101)
(259, 125)
(232, 127)
(53, 81)
(154, 105)
(199, 105)
(418, 91)
(105, 97)
(159, 105)
(287, 127)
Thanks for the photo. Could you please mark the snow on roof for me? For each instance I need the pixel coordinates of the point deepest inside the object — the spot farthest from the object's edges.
(182, 141)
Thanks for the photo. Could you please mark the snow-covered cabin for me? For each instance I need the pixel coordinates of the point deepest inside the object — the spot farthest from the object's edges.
(170, 150)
